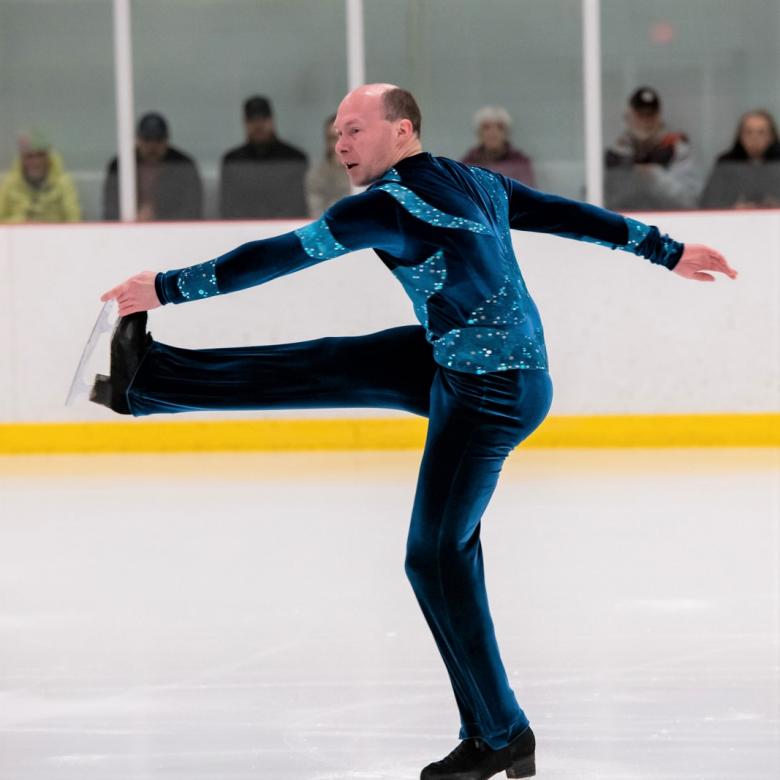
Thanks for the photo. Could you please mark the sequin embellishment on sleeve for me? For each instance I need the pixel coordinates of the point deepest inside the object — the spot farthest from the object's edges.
(637, 233)
(199, 281)
(318, 242)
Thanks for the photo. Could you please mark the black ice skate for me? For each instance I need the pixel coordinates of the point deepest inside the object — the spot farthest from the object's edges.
(473, 760)
(129, 343)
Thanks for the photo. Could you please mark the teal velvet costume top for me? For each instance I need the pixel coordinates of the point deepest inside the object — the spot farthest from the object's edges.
(442, 228)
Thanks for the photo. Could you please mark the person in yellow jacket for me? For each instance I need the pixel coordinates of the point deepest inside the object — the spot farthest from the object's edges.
(37, 189)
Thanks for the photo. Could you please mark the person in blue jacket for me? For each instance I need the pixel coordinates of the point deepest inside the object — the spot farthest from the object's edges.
(476, 366)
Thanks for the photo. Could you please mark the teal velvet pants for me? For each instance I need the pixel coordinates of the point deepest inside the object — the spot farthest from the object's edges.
(474, 422)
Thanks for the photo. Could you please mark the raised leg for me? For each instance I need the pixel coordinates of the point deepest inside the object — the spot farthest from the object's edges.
(390, 369)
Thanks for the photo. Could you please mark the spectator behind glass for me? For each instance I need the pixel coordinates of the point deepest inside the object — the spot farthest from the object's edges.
(326, 182)
(649, 167)
(493, 125)
(167, 180)
(37, 189)
(263, 179)
(748, 175)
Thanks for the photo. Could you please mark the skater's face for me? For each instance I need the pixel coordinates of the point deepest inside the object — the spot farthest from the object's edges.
(368, 143)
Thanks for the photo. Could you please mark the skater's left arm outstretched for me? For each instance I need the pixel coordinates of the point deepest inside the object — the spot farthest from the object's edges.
(134, 294)
(370, 219)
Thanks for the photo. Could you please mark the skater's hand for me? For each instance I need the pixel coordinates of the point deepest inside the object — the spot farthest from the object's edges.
(135, 294)
(697, 259)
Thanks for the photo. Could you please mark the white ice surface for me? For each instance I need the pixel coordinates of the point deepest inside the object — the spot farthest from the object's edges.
(223, 617)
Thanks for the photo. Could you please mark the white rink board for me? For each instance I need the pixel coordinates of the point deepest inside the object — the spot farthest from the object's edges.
(623, 336)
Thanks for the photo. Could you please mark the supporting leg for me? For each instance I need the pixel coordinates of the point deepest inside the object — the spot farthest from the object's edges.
(475, 421)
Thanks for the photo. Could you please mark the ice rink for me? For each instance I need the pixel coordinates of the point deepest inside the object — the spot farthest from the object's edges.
(226, 617)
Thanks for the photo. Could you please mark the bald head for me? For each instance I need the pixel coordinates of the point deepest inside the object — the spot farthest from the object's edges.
(371, 90)
(377, 125)
(396, 103)
(365, 97)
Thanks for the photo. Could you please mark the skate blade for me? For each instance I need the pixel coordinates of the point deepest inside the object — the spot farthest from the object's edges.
(80, 387)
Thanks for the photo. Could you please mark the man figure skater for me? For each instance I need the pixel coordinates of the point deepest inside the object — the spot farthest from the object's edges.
(476, 366)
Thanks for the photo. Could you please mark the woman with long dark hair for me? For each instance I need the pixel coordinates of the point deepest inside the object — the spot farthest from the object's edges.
(748, 174)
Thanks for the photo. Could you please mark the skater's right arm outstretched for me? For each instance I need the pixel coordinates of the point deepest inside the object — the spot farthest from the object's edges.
(544, 212)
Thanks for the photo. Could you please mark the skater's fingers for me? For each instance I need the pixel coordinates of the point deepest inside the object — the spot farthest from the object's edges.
(142, 280)
(713, 260)
(722, 265)
(134, 294)
(698, 259)
(111, 294)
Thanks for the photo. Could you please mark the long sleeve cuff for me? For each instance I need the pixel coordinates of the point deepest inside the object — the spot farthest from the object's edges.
(160, 289)
(187, 284)
(647, 241)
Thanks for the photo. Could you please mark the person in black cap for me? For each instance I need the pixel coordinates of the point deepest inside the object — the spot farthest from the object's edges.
(649, 167)
(167, 180)
(263, 178)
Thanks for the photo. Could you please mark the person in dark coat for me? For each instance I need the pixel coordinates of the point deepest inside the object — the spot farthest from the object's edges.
(748, 174)
(263, 178)
(167, 180)
(649, 167)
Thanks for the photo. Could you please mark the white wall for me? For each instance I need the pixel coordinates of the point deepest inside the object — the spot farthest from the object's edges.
(623, 335)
